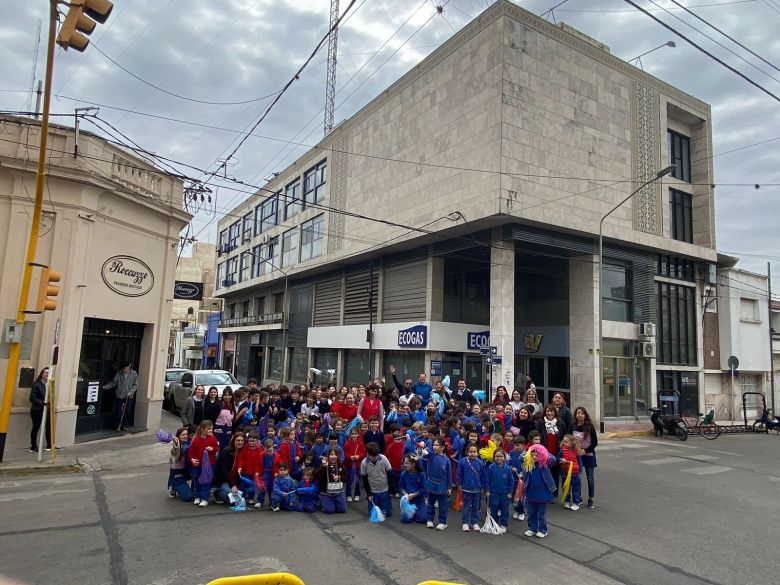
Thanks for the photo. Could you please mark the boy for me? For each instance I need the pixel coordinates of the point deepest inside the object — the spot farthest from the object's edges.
(471, 480)
(516, 465)
(377, 475)
(374, 435)
(319, 450)
(333, 443)
(284, 490)
(395, 455)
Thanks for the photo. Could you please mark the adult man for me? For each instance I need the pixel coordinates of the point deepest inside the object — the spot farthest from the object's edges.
(126, 383)
(405, 393)
(422, 388)
(463, 394)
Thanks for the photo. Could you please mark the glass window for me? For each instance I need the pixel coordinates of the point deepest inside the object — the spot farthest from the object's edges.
(278, 302)
(312, 238)
(272, 255)
(408, 364)
(260, 306)
(223, 239)
(356, 366)
(324, 360)
(748, 310)
(292, 199)
(246, 262)
(220, 274)
(558, 372)
(234, 234)
(299, 364)
(616, 291)
(680, 155)
(232, 269)
(680, 215)
(269, 213)
(289, 247)
(314, 185)
(275, 360)
(676, 328)
(675, 267)
(258, 262)
(247, 231)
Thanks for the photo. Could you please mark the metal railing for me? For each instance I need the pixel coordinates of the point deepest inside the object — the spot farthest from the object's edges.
(267, 319)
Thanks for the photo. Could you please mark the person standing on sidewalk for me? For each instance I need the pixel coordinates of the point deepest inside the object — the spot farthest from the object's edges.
(37, 400)
(126, 383)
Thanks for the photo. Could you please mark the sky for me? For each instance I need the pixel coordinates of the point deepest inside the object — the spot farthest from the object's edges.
(242, 50)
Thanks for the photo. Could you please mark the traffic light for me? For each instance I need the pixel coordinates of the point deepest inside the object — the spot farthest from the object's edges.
(81, 18)
(47, 289)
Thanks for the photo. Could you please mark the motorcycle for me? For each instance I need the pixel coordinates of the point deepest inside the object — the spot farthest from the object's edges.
(766, 422)
(669, 424)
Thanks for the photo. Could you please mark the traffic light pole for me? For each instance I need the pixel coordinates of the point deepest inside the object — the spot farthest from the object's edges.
(32, 243)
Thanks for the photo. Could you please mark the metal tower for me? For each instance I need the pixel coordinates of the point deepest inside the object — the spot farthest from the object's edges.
(330, 84)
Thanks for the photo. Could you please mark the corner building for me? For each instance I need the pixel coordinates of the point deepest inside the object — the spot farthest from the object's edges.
(504, 147)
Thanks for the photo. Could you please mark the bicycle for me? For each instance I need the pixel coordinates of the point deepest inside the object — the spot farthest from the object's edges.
(706, 427)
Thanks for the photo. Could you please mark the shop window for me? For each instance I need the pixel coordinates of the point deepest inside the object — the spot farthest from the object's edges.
(292, 199)
(616, 292)
(680, 155)
(275, 362)
(324, 360)
(299, 364)
(676, 326)
(681, 215)
(558, 372)
(356, 366)
(312, 238)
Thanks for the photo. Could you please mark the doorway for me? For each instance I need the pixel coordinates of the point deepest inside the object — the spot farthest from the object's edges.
(105, 346)
(550, 374)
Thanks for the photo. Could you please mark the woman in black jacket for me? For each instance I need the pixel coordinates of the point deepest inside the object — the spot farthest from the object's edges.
(224, 467)
(525, 421)
(212, 405)
(37, 400)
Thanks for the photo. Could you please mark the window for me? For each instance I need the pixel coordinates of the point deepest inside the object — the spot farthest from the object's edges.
(748, 310)
(292, 199)
(232, 310)
(408, 364)
(260, 306)
(243, 271)
(268, 214)
(272, 256)
(220, 274)
(279, 302)
(247, 232)
(312, 237)
(680, 214)
(616, 292)
(356, 366)
(223, 239)
(314, 185)
(289, 247)
(232, 269)
(299, 364)
(675, 267)
(258, 262)
(275, 360)
(676, 330)
(324, 360)
(680, 155)
(245, 309)
(234, 234)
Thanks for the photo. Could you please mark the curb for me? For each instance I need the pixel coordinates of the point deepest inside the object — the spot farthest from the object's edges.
(40, 469)
(627, 434)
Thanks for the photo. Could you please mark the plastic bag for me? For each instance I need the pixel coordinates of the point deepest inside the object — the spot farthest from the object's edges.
(238, 501)
(458, 505)
(164, 437)
(408, 510)
(206, 470)
(491, 526)
(376, 515)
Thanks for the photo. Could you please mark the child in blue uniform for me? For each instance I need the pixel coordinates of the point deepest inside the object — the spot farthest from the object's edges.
(438, 483)
(471, 481)
(284, 490)
(412, 485)
(307, 492)
(499, 489)
(539, 488)
(516, 464)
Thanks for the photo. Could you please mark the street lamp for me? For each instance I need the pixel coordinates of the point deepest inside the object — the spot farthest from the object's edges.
(638, 58)
(659, 175)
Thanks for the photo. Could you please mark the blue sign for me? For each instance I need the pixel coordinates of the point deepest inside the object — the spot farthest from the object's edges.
(435, 367)
(416, 336)
(477, 339)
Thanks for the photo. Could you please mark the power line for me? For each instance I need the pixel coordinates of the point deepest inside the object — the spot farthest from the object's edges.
(659, 9)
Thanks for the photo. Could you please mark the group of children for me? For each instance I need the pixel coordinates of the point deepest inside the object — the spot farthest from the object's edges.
(296, 462)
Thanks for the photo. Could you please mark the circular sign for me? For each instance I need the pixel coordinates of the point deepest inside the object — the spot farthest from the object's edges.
(733, 362)
(127, 276)
(186, 290)
(91, 409)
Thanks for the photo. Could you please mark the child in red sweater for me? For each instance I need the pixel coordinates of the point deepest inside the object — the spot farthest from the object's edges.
(394, 451)
(354, 453)
(249, 463)
(570, 457)
(204, 444)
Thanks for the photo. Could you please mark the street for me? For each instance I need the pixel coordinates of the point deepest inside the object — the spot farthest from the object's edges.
(667, 513)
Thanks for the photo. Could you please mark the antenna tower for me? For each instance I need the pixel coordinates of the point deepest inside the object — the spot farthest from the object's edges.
(330, 84)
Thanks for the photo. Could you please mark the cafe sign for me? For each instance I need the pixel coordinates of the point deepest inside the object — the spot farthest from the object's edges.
(127, 276)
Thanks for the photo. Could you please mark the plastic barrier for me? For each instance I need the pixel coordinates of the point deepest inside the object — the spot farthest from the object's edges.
(264, 579)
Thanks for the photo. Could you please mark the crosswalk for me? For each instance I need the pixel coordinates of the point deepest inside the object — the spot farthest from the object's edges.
(680, 457)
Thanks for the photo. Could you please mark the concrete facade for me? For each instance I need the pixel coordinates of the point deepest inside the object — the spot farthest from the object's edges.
(103, 210)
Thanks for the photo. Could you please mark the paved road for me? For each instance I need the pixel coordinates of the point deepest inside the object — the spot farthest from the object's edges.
(667, 513)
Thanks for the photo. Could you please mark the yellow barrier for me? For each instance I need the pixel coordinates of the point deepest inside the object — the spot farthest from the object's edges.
(264, 579)
(438, 583)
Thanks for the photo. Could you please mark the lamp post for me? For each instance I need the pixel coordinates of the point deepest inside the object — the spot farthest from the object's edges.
(659, 175)
(638, 58)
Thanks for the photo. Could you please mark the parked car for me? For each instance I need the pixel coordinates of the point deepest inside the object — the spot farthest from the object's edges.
(181, 390)
(171, 375)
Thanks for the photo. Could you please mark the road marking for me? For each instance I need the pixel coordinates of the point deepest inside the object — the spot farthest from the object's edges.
(702, 457)
(661, 461)
(609, 448)
(709, 470)
(124, 475)
(727, 453)
(774, 478)
(36, 494)
(633, 446)
(677, 445)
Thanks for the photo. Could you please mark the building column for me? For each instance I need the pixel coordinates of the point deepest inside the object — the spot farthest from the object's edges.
(502, 311)
(583, 334)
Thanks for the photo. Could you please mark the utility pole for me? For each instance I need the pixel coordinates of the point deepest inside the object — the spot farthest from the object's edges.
(771, 332)
(330, 83)
(370, 320)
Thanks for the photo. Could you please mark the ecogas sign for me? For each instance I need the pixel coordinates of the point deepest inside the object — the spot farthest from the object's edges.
(127, 276)
(416, 336)
(477, 339)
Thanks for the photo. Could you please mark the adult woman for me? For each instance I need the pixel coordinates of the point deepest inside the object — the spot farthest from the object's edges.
(564, 412)
(533, 402)
(349, 409)
(37, 399)
(586, 434)
(524, 421)
(192, 411)
(212, 405)
(331, 478)
(370, 406)
(517, 401)
(551, 429)
(228, 391)
(502, 398)
(224, 467)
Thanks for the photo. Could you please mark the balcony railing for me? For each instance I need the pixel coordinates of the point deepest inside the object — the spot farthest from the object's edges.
(267, 319)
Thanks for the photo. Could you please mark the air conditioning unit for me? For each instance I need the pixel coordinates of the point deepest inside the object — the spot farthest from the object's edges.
(647, 329)
(645, 349)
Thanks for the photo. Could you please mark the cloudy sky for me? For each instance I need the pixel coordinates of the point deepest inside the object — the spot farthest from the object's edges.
(241, 50)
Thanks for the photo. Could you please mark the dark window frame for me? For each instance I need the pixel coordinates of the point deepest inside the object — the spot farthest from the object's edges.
(680, 155)
(681, 215)
(313, 184)
(269, 214)
(610, 301)
(314, 230)
(675, 267)
(293, 204)
(676, 327)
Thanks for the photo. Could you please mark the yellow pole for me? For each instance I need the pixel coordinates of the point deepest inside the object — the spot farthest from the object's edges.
(32, 244)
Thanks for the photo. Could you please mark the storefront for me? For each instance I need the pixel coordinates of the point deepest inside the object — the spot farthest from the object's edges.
(626, 384)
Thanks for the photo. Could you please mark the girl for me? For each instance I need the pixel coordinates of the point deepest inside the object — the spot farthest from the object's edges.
(438, 483)
(177, 476)
(499, 488)
(354, 452)
(212, 405)
(585, 433)
(225, 462)
(538, 488)
(517, 401)
(524, 422)
(371, 406)
(192, 411)
(223, 424)
(412, 485)
(203, 445)
(307, 497)
(471, 481)
(331, 479)
(502, 398)
(569, 456)
(551, 430)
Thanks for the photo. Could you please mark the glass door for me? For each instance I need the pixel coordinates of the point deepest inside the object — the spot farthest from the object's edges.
(474, 375)
(608, 385)
(625, 394)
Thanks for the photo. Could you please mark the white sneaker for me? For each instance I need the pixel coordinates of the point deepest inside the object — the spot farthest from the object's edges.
(196, 501)
(567, 505)
(349, 498)
(275, 508)
(540, 534)
(203, 503)
(521, 516)
(574, 507)
(502, 529)
(466, 528)
(357, 498)
(475, 527)
(514, 515)
(529, 533)
(171, 493)
(441, 526)
(258, 505)
(429, 524)
(436, 504)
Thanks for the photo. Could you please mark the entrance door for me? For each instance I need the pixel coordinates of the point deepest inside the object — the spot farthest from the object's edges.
(105, 347)
(255, 369)
(473, 375)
